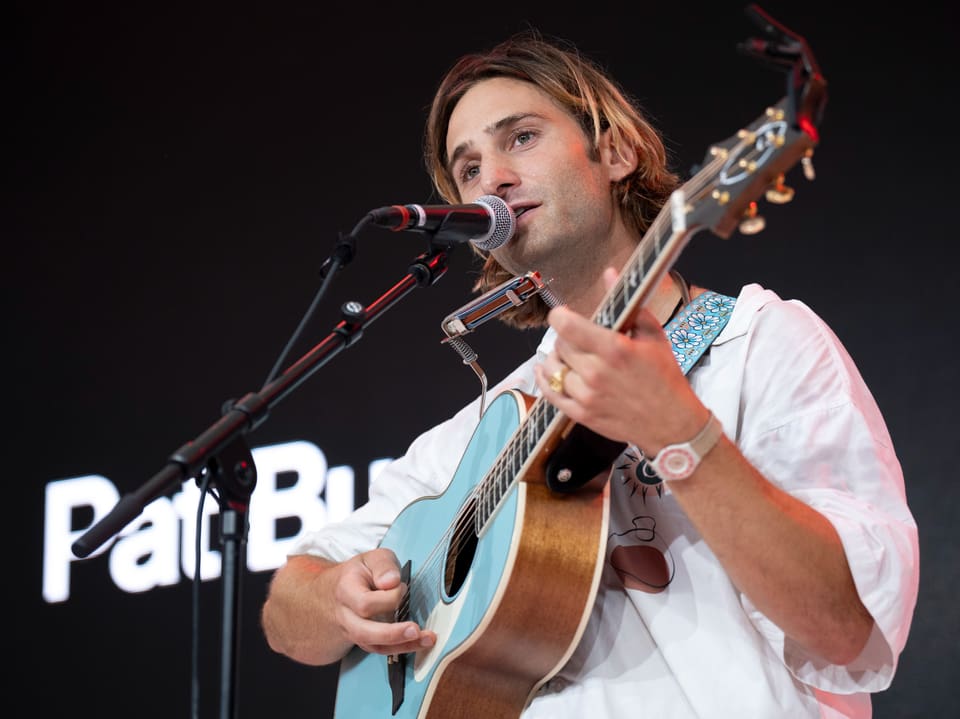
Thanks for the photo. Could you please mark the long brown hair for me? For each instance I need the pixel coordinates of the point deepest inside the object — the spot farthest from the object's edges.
(579, 85)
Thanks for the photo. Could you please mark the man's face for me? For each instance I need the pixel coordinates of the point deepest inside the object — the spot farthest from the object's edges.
(508, 138)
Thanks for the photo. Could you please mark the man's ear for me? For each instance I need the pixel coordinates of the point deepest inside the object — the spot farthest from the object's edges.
(619, 157)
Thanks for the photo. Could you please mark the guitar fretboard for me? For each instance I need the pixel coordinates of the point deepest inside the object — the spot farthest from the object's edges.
(653, 258)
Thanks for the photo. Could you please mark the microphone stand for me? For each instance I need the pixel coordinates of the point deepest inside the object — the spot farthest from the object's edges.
(221, 455)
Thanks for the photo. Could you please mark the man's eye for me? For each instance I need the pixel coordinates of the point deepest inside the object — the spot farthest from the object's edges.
(469, 172)
(524, 136)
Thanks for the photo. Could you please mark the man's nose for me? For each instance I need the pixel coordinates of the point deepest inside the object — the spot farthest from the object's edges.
(498, 177)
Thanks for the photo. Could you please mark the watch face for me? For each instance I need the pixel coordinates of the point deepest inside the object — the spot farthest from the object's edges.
(675, 463)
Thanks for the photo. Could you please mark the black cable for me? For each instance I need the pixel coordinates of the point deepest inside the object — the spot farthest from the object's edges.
(204, 483)
(342, 255)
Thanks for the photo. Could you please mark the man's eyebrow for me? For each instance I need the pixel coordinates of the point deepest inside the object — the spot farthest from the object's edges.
(490, 130)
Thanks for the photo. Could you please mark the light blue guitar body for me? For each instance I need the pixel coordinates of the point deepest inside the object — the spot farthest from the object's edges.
(502, 629)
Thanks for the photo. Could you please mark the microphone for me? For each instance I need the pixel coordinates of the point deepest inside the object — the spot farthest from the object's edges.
(488, 223)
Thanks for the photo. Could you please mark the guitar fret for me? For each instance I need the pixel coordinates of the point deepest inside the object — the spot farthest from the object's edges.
(628, 289)
(633, 276)
(606, 316)
(483, 499)
(507, 473)
(495, 491)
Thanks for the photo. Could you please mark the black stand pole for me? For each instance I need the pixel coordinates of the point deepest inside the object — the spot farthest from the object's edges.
(234, 473)
(222, 452)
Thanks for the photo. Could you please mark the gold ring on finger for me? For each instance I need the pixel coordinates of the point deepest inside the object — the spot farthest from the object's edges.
(556, 379)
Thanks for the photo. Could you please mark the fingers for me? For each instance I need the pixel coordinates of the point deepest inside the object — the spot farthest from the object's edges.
(618, 383)
(368, 596)
(574, 332)
(581, 350)
(610, 277)
(597, 376)
(397, 638)
(562, 373)
(383, 568)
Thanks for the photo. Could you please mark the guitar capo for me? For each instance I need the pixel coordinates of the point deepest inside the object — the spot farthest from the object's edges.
(783, 48)
(512, 293)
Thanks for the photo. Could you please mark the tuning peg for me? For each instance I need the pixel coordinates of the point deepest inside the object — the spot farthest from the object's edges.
(779, 194)
(806, 162)
(752, 223)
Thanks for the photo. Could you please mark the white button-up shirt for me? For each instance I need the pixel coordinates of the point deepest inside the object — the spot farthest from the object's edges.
(669, 636)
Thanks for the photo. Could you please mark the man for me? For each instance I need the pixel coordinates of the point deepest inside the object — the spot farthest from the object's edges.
(776, 576)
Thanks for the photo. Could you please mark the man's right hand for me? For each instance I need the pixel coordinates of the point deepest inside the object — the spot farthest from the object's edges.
(317, 610)
(367, 592)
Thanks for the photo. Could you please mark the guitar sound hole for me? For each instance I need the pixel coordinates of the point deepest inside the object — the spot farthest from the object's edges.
(460, 553)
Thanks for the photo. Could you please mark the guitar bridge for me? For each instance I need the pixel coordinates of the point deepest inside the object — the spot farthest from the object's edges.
(397, 663)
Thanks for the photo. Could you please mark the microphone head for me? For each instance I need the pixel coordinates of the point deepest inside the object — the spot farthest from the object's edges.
(504, 223)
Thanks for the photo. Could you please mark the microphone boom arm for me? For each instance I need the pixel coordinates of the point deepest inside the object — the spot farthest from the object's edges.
(252, 410)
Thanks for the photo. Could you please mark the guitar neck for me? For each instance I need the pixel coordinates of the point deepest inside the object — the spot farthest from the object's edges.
(544, 424)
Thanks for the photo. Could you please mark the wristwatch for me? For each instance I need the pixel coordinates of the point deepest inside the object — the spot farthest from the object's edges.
(678, 461)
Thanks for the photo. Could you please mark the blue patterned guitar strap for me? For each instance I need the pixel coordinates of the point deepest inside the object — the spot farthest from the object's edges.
(695, 326)
(691, 331)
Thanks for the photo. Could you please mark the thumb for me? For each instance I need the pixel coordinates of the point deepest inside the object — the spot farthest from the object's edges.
(610, 276)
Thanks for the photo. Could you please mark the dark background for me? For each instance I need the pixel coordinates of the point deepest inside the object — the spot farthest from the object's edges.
(176, 176)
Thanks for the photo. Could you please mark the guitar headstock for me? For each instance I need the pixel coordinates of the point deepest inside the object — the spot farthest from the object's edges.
(738, 171)
(753, 162)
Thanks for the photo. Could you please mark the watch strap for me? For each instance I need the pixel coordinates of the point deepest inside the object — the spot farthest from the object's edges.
(678, 461)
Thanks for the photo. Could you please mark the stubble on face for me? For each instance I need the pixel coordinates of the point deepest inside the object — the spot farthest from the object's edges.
(573, 230)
